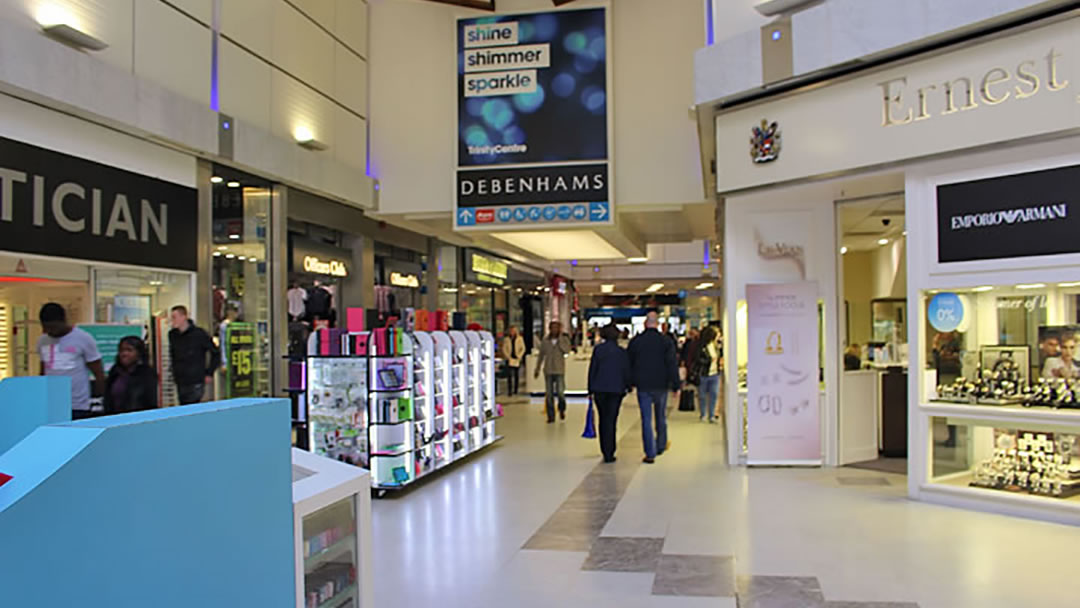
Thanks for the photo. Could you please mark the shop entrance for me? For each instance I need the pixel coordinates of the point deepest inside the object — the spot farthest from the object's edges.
(873, 327)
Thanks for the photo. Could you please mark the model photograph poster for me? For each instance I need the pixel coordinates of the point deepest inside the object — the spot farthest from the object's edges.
(1058, 353)
(1006, 359)
(783, 409)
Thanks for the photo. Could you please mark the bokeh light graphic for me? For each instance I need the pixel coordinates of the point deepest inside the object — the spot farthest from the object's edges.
(593, 98)
(527, 103)
(497, 113)
(563, 85)
(475, 135)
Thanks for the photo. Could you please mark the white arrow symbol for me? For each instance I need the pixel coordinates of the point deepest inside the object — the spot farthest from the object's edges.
(599, 212)
(465, 215)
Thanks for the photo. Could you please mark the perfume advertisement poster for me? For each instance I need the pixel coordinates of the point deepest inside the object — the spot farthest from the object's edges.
(783, 408)
(1058, 356)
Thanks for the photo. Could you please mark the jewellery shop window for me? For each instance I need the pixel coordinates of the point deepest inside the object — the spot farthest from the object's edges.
(241, 304)
(1013, 346)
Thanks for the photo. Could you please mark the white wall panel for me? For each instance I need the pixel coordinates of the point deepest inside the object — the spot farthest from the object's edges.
(350, 139)
(250, 23)
(351, 24)
(164, 37)
(301, 48)
(657, 158)
(202, 10)
(321, 11)
(294, 105)
(350, 79)
(245, 87)
(107, 20)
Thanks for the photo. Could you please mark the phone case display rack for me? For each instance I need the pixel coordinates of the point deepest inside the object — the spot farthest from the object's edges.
(403, 404)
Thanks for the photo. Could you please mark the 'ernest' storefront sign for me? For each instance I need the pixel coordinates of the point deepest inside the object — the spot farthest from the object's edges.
(1007, 89)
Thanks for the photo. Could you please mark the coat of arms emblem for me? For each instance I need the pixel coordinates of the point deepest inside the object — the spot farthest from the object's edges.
(765, 143)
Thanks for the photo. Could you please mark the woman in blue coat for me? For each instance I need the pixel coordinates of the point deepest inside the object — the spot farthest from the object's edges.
(609, 381)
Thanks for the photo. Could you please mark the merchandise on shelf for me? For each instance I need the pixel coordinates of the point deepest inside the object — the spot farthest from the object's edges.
(1035, 463)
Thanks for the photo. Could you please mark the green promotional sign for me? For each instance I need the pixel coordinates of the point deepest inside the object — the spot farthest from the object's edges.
(108, 336)
(240, 360)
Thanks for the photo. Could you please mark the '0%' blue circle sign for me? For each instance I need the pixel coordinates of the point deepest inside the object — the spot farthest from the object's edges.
(946, 312)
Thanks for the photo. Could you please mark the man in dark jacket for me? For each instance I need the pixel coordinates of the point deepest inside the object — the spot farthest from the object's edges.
(655, 371)
(609, 381)
(194, 357)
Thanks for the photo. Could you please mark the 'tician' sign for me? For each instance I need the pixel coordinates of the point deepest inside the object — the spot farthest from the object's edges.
(533, 101)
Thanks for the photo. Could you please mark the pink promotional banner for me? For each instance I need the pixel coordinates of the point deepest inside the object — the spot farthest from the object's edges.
(783, 410)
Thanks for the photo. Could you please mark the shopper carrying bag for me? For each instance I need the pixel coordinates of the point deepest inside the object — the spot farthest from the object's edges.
(609, 382)
(590, 427)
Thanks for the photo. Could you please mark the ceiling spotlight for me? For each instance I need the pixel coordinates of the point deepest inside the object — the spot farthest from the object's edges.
(637, 260)
(1031, 286)
(217, 179)
(655, 287)
(234, 236)
(843, 250)
(883, 241)
(230, 256)
(233, 184)
(704, 286)
(983, 289)
(1072, 284)
(306, 139)
(217, 254)
(607, 288)
(58, 22)
(242, 257)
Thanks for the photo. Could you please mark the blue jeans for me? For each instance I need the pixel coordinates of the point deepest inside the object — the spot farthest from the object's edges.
(708, 393)
(653, 402)
(556, 391)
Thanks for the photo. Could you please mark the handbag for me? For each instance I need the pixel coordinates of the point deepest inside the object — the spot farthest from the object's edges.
(590, 427)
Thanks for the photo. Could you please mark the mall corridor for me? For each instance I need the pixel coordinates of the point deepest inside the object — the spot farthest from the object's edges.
(540, 522)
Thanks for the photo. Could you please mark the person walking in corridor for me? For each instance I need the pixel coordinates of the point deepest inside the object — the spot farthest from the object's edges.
(708, 364)
(609, 381)
(194, 356)
(552, 361)
(513, 353)
(655, 371)
(71, 352)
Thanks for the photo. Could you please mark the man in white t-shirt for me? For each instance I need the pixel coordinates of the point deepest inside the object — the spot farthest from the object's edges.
(71, 352)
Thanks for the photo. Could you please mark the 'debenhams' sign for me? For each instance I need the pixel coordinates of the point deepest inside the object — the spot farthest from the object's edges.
(60, 205)
(1028, 214)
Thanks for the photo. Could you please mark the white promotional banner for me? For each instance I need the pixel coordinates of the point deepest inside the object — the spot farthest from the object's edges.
(783, 416)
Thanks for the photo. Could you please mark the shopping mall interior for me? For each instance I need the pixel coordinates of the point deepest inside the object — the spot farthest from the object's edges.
(523, 303)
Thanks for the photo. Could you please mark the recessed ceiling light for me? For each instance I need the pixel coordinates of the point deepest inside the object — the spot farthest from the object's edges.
(242, 257)
(217, 179)
(637, 260)
(883, 241)
(704, 285)
(223, 247)
(655, 287)
(230, 255)
(843, 250)
(904, 233)
(233, 184)
(607, 288)
(1031, 286)
(1072, 284)
(217, 254)
(234, 236)
(983, 289)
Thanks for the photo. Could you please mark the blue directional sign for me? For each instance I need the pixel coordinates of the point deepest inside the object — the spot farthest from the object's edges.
(565, 211)
(534, 214)
(580, 212)
(466, 217)
(520, 214)
(550, 213)
(598, 212)
(505, 214)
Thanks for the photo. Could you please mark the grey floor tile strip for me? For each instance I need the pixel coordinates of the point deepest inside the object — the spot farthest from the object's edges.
(617, 554)
(578, 521)
(695, 576)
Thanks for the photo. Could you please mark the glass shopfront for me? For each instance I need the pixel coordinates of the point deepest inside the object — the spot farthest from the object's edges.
(241, 281)
(494, 290)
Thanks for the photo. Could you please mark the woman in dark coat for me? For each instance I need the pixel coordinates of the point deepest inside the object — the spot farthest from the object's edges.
(609, 381)
(132, 385)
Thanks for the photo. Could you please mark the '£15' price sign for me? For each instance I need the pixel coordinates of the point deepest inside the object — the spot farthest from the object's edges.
(240, 360)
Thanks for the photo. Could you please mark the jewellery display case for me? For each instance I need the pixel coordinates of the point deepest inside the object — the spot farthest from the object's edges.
(332, 531)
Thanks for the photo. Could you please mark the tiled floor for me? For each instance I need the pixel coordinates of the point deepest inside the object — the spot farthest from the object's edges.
(539, 522)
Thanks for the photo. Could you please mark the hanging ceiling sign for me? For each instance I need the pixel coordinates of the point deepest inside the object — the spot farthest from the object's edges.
(534, 130)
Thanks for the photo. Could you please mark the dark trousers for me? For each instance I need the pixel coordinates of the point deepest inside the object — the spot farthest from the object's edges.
(556, 392)
(190, 393)
(513, 379)
(607, 406)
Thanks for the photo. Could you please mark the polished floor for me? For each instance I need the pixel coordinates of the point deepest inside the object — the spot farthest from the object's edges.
(537, 521)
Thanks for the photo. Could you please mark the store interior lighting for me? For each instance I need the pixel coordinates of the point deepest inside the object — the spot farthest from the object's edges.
(983, 289)
(843, 250)
(216, 179)
(607, 288)
(637, 260)
(1073, 284)
(655, 287)
(883, 241)
(233, 184)
(1031, 286)
(705, 285)
(306, 138)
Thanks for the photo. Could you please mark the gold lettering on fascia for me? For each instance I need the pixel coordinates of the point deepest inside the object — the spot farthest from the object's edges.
(334, 268)
(904, 104)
